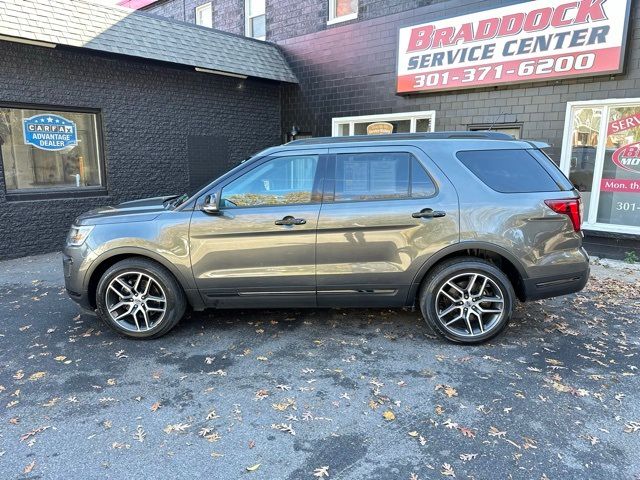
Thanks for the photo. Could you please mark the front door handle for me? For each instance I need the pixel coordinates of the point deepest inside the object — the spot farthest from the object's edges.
(428, 213)
(289, 220)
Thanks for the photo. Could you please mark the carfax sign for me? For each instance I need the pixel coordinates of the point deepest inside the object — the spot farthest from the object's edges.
(50, 132)
(527, 42)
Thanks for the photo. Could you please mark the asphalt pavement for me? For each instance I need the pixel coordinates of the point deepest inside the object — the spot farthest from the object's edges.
(308, 394)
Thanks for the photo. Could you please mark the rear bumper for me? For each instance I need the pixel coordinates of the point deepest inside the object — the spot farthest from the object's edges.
(555, 286)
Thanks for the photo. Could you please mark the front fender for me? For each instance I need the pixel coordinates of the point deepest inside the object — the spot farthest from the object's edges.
(164, 240)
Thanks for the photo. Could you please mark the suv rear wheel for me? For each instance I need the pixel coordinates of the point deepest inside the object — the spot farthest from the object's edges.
(140, 298)
(467, 300)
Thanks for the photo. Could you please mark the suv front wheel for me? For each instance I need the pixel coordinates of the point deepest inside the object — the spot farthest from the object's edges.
(140, 298)
(467, 300)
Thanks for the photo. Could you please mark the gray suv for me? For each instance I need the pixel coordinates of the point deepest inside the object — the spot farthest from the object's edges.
(460, 224)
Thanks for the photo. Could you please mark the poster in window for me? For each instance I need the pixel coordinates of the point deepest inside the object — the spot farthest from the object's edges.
(50, 132)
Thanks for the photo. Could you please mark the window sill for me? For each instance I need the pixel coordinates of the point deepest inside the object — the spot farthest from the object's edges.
(343, 18)
(55, 195)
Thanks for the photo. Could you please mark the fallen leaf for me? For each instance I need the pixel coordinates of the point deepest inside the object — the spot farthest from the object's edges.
(283, 427)
(29, 468)
(155, 406)
(389, 415)
(447, 470)
(448, 390)
(253, 468)
(139, 434)
(321, 472)
(467, 432)
(494, 432)
(177, 427)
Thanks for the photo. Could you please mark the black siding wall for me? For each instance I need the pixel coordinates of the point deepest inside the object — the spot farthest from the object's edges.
(148, 111)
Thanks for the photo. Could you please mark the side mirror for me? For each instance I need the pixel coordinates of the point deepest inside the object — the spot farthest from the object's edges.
(210, 205)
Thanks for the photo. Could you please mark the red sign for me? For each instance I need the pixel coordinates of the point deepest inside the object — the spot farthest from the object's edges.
(527, 42)
(626, 123)
(615, 185)
(628, 157)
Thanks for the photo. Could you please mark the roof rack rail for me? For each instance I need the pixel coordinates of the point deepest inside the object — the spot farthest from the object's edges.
(487, 135)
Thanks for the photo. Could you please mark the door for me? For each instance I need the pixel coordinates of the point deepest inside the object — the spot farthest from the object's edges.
(386, 211)
(259, 250)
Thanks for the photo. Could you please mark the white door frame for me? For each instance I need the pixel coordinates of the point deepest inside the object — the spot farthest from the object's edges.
(591, 222)
(411, 116)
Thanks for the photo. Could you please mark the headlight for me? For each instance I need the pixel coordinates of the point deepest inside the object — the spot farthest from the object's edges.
(78, 235)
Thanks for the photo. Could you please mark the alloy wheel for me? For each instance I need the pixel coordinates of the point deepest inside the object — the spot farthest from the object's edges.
(470, 304)
(135, 301)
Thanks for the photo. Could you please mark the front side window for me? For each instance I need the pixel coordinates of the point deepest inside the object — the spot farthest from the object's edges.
(255, 19)
(281, 181)
(380, 176)
(342, 10)
(204, 15)
(49, 150)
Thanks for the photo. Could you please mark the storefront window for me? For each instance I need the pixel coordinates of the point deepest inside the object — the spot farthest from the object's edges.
(399, 126)
(602, 158)
(584, 145)
(514, 130)
(620, 184)
(409, 122)
(49, 150)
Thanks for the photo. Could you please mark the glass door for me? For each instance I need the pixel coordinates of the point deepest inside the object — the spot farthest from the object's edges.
(601, 156)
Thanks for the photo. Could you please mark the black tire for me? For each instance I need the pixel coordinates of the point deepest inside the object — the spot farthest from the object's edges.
(176, 302)
(457, 268)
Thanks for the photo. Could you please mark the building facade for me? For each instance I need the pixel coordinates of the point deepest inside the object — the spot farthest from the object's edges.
(103, 104)
(83, 127)
(580, 93)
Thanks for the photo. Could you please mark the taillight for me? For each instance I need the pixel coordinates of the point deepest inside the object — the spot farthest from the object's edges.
(572, 207)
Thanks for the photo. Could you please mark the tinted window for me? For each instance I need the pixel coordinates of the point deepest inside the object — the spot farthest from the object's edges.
(372, 176)
(281, 181)
(509, 171)
(560, 178)
(421, 184)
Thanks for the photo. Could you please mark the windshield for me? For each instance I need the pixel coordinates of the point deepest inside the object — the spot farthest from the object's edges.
(175, 202)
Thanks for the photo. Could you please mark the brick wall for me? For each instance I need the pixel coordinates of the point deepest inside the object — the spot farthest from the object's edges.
(285, 18)
(147, 110)
(350, 70)
(228, 15)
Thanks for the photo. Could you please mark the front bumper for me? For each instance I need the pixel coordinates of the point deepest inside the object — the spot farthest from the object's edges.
(75, 262)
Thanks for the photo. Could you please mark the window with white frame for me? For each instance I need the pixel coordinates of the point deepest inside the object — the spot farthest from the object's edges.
(255, 19)
(410, 122)
(204, 15)
(601, 157)
(342, 10)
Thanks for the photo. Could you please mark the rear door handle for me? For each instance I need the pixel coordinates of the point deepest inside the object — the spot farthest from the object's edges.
(289, 220)
(428, 213)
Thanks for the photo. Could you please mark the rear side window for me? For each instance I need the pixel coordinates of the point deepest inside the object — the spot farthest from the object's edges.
(380, 176)
(509, 171)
